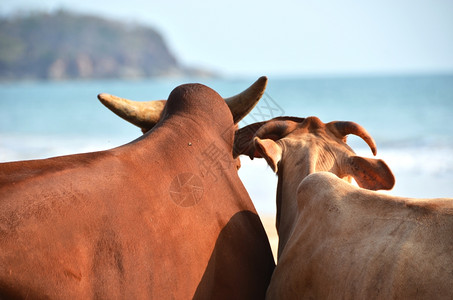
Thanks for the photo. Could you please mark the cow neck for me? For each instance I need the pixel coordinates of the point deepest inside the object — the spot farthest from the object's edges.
(286, 203)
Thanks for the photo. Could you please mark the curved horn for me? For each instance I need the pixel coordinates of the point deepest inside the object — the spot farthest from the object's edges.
(146, 114)
(241, 104)
(142, 114)
(345, 128)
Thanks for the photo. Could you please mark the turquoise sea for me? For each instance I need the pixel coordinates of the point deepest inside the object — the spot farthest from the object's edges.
(410, 117)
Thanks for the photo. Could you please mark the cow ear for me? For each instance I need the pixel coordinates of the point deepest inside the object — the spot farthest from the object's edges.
(270, 150)
(243, 140)
(372, 174)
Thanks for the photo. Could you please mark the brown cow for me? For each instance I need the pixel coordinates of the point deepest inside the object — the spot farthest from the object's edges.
(163, 217)
(338, 241)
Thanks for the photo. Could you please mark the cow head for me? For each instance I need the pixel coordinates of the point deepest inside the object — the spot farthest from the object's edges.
(307, 145)
(147, 114)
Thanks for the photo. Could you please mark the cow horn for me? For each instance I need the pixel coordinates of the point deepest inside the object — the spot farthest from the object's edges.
(146, 114)
(345, 128)
(142, 114)
(241, 104)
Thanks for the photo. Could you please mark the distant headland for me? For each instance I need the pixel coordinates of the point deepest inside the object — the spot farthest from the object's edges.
(65, 45)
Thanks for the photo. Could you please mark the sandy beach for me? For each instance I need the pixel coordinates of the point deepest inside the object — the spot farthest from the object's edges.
(269, 225)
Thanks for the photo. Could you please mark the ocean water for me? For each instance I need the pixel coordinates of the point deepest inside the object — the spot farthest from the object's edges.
(410, 118)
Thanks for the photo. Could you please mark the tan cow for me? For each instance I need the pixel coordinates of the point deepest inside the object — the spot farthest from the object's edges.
(338, 241)
(163, 217)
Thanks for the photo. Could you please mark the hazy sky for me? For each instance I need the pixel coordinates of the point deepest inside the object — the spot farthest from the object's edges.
(285, 37)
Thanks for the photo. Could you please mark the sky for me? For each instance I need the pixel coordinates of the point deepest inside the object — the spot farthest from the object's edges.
(286, 37)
